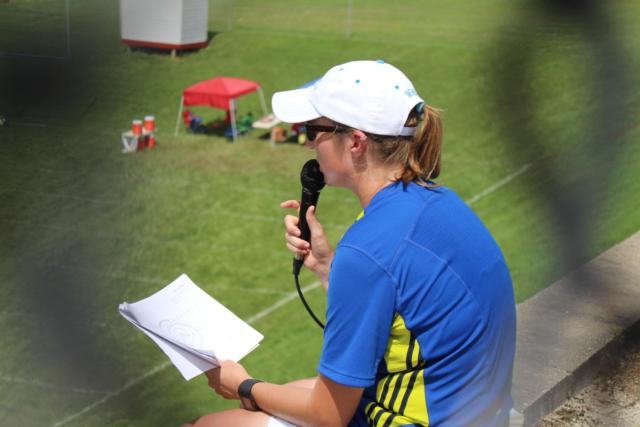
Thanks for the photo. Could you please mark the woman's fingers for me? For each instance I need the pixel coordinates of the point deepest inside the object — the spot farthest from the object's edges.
(321, 254)
(290, 204)
(314, 224)
(297, 243)
(299, 253)
(291, 225)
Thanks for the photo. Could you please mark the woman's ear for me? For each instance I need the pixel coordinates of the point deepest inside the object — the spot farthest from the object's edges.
(359, 142)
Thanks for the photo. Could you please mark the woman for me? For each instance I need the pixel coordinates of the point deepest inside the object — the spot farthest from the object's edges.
(420, 312)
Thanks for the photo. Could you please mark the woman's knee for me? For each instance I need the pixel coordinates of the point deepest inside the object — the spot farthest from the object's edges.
(232, 418)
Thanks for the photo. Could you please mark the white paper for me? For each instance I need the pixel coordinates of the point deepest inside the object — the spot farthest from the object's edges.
(194, 330)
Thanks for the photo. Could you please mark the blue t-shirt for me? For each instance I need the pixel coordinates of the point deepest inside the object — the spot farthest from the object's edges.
(421, 313)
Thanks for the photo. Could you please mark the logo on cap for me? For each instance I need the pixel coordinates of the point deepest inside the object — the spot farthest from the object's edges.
(410, 92)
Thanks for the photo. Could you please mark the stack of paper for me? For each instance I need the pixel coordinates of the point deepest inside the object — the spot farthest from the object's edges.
(194, 330)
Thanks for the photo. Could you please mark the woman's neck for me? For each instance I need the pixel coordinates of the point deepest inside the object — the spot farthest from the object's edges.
(372, 180)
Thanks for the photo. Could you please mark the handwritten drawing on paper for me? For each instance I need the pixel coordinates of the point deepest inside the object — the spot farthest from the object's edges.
(193, 329)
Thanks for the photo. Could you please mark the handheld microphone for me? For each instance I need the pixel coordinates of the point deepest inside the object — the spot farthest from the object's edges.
(312, 181)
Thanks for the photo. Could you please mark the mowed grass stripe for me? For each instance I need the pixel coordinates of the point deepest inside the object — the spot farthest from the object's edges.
(251, 320)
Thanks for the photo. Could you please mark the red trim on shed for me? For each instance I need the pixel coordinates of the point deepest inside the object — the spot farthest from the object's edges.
(142, 43)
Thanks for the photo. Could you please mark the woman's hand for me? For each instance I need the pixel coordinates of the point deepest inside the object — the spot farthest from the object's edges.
(226, 379)
(318, 254)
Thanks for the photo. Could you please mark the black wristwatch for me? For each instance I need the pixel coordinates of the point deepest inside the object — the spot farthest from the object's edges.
(244, 390)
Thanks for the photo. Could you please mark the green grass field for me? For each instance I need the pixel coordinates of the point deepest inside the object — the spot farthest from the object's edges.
(84, 227)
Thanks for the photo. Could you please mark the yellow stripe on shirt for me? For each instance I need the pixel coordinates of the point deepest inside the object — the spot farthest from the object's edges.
(400, 395)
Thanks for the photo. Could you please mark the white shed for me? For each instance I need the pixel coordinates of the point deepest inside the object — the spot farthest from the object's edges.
(168, 24)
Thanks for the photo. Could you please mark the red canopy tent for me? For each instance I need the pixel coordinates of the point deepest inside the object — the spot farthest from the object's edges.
(219, 92)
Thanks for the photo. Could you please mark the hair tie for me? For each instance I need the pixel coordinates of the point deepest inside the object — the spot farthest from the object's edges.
(420, 107)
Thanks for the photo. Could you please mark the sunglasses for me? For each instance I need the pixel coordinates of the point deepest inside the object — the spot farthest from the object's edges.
(312, 130)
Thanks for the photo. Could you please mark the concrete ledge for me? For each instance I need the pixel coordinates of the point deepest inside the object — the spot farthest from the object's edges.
(575, 328)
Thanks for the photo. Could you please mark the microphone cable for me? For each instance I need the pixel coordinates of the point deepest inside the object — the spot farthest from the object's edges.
(312, 181)
(304, 301)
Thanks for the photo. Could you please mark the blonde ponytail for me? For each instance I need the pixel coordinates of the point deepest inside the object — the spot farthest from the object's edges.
(423, 160)
(419, 155)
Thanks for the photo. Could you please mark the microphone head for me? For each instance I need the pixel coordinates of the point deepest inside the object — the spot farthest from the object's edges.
(311, 177)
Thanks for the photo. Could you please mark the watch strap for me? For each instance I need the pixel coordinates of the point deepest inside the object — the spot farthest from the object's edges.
(244, 391)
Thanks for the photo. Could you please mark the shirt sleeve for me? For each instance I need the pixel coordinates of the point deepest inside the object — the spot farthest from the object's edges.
(360, 309)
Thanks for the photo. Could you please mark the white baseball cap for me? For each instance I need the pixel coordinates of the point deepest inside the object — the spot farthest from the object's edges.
(371, 96)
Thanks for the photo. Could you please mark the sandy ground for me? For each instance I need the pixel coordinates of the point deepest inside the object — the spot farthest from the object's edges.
(612, 400)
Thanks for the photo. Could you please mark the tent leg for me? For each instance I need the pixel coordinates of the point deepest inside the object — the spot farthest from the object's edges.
(264, 105)
(234, 127)
(179, 114)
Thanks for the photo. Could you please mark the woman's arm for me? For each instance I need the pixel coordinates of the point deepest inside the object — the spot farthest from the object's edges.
(326, 404)
(318, 254)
